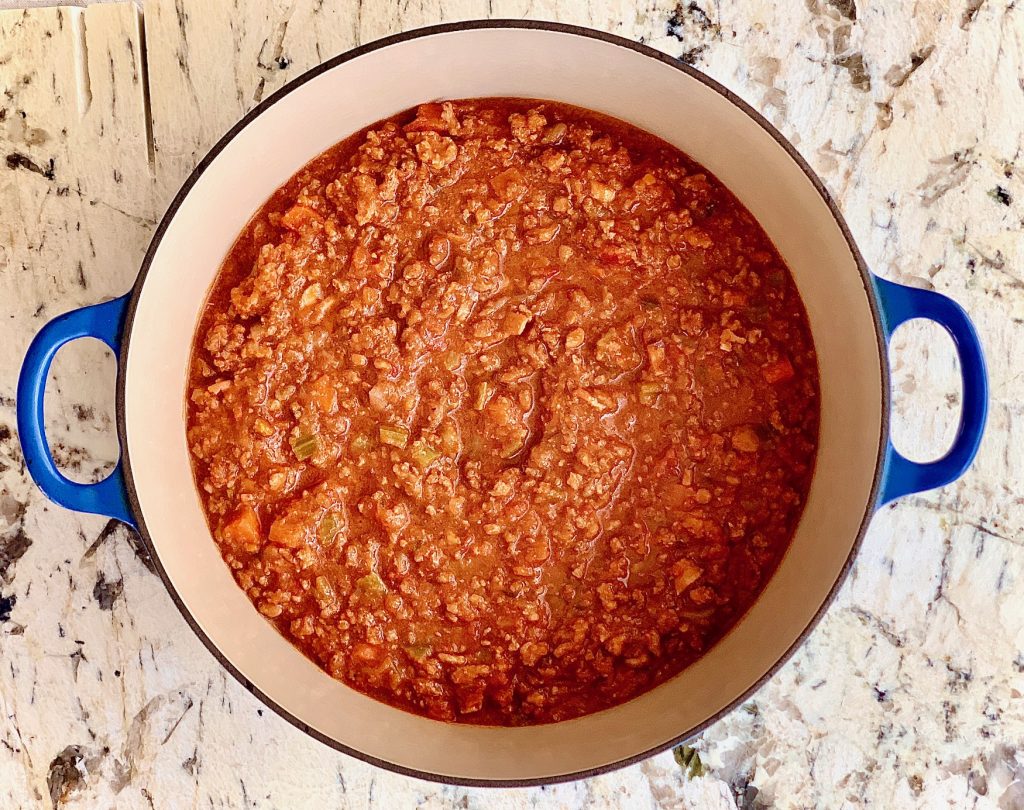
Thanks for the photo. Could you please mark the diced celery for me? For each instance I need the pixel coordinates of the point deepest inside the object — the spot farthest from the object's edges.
(419, 652)
(424, 455)
(304, 445)
(395, 436)
(649, 393)
(330, 526)
(372, 585)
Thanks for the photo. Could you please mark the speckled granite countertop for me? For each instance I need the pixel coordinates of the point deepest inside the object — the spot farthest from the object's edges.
(908, 694)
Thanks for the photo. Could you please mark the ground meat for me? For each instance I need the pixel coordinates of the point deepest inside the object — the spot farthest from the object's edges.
(503, 411)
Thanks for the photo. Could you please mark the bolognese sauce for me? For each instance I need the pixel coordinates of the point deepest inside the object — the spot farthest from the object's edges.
(503, 411)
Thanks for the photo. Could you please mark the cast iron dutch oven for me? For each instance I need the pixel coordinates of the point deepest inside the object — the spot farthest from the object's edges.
(852, 315)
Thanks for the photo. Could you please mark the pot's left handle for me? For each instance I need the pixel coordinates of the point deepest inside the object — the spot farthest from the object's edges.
(107, 497)
(899, 304)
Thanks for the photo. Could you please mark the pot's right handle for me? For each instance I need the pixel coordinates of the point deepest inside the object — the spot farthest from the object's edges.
(899, 304)
(103, 322)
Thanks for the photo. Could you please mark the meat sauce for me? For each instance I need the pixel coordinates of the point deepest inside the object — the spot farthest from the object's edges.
(503, 411)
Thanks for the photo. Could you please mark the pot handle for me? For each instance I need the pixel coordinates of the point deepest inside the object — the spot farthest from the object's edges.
(107, 497)
(899, 304)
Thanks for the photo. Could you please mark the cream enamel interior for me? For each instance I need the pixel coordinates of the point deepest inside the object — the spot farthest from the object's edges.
(503, 62)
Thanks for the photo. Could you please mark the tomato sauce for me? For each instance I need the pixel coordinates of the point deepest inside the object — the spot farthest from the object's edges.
(503, 411)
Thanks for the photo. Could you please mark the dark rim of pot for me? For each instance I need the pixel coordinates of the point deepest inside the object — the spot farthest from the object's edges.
(443, 29)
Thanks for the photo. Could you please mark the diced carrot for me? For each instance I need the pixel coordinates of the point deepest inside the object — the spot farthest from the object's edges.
(685, 574)
(288, 530)
(243, 529)
(515, 323)
(779, 371)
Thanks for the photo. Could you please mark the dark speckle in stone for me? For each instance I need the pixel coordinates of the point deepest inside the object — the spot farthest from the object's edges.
(970, 13)
(692, 56)
(77, 657)
(700, 16)
(106, 592)
(848, 8)
(859, 76)
(690, 13)
(747, 796)
(66, 774)
(16, 160)
(977, 781)
(12, 548)
(675, 22)
(6, 606)
(1001, 195)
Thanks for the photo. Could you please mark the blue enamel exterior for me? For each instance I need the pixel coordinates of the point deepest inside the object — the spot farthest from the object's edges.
(103, 322)
(899, 304)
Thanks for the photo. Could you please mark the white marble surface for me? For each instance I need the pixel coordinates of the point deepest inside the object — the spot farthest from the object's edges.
(909, 694)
